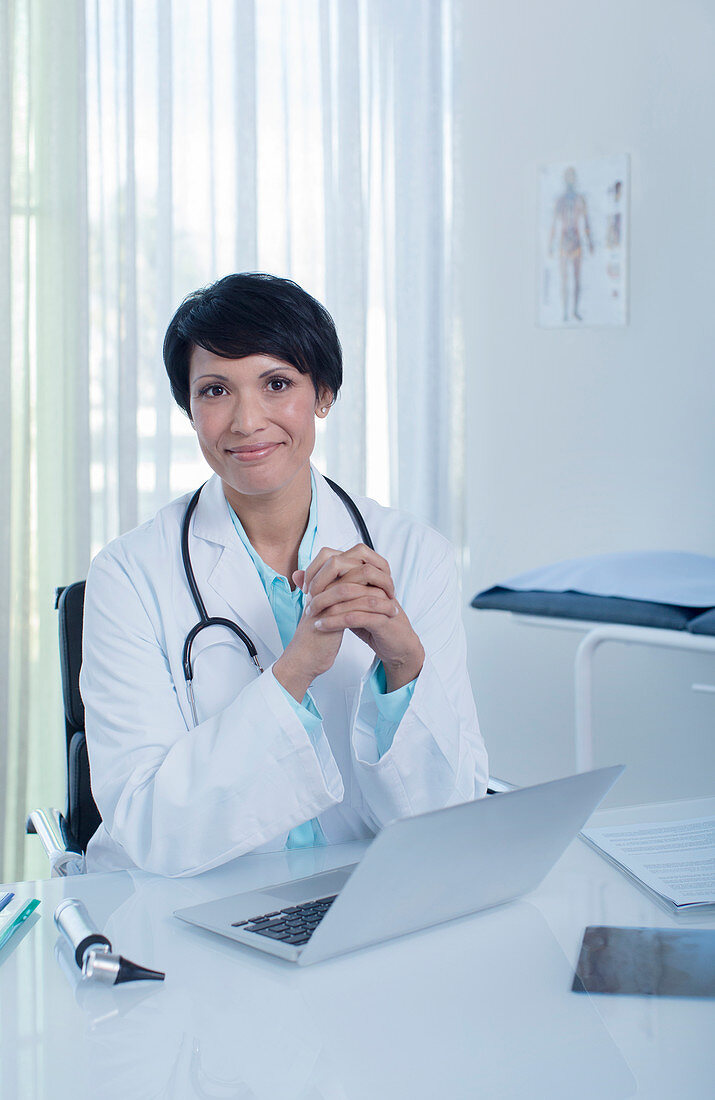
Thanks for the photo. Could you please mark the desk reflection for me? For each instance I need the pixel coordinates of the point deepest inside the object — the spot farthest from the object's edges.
(448, 1012)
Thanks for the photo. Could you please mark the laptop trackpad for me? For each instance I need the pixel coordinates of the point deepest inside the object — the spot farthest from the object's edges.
(322, 885)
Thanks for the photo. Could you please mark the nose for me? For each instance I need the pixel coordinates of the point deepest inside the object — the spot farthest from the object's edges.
(247, 414)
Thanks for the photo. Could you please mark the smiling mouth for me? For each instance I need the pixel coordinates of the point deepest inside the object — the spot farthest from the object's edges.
(253, 451)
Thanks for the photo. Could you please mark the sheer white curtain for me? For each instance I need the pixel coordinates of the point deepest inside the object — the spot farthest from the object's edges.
(44, 530)
(174, 142)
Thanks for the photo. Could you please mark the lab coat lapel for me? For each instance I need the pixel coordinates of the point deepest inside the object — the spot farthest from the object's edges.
(233, 576)
(336, 527)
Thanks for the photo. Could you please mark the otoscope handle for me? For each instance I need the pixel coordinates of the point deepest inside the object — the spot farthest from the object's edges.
(73, 920)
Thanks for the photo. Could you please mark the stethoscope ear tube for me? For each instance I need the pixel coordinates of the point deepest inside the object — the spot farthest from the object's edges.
(354, 512)
(188, 568)
(228, 625)
(205, 620)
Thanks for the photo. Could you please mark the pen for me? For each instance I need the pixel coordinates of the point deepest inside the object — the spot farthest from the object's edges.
(17, 919)
(5, 900)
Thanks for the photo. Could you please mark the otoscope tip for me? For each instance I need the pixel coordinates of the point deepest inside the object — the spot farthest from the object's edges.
(131, 972)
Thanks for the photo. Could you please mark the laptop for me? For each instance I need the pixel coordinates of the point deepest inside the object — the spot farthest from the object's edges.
(418, 872)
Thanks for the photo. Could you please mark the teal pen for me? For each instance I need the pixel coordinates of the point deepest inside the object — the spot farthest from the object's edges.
(18, 920)
(5, 900)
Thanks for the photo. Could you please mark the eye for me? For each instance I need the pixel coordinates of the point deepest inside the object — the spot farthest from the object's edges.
(279, 384)
(214, 389)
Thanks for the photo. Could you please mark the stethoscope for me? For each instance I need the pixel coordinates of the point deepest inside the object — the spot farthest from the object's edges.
(209, 620)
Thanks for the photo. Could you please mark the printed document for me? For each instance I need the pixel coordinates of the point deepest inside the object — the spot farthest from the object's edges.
(675, 859)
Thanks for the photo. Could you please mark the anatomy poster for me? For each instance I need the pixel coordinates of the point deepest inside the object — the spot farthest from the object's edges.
(583, 243)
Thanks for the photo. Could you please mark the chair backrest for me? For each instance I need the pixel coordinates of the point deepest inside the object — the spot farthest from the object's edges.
(82, 815)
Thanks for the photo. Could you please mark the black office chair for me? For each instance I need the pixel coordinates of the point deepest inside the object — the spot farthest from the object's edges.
(70, 832)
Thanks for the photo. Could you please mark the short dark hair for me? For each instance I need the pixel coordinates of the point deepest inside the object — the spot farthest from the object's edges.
(253, 314)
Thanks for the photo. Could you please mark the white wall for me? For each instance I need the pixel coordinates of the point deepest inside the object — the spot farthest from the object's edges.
(584, 442)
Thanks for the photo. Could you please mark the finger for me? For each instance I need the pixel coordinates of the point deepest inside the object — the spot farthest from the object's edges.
(328, 565)
(298, 577)
(355, 616)
(318, 561)
(368, 575)
(338, 563)
(341, 593)
(357, 554)
(371, 597)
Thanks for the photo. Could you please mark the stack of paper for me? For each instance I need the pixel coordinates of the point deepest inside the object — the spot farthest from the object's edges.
(671, 855)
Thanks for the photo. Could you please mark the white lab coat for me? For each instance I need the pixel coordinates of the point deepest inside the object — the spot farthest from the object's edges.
(177, 799)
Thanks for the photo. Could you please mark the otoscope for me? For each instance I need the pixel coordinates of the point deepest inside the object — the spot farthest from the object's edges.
(93, 951)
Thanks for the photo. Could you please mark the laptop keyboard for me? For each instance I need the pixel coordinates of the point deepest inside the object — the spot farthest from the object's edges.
(295, 924)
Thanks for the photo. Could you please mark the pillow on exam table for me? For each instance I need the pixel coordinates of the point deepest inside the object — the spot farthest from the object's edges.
(648, 588)
(703, 624)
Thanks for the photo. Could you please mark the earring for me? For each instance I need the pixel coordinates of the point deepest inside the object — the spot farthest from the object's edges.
(324, 409)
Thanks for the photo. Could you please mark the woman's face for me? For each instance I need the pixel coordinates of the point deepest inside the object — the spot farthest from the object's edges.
(254, 418)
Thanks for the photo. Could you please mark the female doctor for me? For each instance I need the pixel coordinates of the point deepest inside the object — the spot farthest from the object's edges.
(348, 704)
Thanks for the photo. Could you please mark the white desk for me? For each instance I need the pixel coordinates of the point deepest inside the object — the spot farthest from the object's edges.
(480, 1007)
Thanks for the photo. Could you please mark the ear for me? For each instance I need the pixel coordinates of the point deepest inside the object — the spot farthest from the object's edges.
(324, 403)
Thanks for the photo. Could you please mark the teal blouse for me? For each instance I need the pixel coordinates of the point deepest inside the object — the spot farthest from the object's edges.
(287, 607)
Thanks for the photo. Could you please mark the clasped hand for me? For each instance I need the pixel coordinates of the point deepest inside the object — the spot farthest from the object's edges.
(348, 590)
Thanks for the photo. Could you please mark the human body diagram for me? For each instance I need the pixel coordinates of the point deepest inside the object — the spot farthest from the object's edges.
(570, 220)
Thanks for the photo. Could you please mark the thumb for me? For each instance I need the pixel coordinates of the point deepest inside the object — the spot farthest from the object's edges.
(299, 577)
